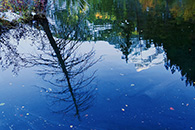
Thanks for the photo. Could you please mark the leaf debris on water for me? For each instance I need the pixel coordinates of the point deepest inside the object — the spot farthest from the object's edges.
(171, 108)
(2, 104)
(71, 126)
(121, 74)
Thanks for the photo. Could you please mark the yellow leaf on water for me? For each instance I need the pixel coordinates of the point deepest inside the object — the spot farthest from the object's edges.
(2, 104)
(132, 84)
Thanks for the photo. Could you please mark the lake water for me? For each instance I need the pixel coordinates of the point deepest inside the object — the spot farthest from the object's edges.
(117, 65)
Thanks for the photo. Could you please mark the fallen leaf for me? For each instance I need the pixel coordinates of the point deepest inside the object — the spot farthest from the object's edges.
(2, 104)
(121, 74)
(132, 84)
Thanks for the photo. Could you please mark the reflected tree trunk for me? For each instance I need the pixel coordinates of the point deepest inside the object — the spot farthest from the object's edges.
(45, 24)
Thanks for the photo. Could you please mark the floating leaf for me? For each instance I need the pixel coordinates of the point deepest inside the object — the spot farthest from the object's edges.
(2, 104)
(121, 74)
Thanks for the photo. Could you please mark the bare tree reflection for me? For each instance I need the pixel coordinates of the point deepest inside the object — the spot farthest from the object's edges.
(61, 65)
(8, 49)
(73, 67)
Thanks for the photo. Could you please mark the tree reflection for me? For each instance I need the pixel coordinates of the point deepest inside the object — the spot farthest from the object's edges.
(9, 55)
(177, 37)
(61, 64)
(167, 24)
(127, 29)
(73, 67)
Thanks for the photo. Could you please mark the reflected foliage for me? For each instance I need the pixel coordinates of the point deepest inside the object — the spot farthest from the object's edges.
(177, 37)
(169, 24)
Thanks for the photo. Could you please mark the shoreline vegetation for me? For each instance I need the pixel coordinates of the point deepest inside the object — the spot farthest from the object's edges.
(27, 8)
(14, 12)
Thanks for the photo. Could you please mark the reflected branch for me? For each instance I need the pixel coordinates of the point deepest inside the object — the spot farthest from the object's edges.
(62, 67)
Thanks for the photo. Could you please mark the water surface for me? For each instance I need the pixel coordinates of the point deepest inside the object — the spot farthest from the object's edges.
(113, 65)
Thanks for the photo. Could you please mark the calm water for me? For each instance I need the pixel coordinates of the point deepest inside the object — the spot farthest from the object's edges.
(112, 65)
